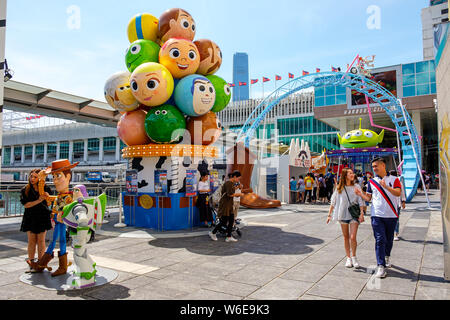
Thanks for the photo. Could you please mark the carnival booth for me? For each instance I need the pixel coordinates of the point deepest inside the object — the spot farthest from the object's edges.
(168, 98)
(359, 147)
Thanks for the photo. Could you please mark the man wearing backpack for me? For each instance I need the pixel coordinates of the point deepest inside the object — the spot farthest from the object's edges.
(383, 191)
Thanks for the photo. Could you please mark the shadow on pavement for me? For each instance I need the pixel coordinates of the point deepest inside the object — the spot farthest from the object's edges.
(255, 239)
(105, 292)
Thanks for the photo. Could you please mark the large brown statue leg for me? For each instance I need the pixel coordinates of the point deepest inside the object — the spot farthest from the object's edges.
(242, 159)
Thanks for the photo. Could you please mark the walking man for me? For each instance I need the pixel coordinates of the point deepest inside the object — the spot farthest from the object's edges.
(383, 191)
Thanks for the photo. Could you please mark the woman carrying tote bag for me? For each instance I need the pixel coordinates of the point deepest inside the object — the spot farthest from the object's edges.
(347, 208)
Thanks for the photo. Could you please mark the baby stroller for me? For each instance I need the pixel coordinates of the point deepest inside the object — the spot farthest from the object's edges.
(223, 229)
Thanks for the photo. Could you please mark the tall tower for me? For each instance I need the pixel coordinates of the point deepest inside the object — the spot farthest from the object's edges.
(240, 74)
(435, 14)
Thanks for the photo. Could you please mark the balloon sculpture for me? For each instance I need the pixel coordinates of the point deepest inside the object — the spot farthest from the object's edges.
(169, 81)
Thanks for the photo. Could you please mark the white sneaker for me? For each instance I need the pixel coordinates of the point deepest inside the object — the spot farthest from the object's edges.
(388, 263)
(230, 239)
(381, 273)
(212, 236)
(355, 262)
(349, 263)
(396, 238)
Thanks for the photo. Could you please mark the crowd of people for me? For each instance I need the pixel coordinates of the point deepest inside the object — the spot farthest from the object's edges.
(312, 188)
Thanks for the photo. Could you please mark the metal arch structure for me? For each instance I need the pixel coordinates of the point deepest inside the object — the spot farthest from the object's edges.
(392, 106)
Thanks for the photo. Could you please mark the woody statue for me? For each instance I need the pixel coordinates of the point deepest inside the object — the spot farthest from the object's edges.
(61, 171)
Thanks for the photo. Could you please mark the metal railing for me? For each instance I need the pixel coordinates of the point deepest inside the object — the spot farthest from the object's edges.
(10, 205)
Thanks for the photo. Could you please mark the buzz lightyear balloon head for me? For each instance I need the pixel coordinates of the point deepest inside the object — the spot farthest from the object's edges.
(79, 192)
(195, 95)
(360, 138)
(118, 93)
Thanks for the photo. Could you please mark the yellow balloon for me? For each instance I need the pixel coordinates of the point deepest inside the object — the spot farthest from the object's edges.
(143, 26)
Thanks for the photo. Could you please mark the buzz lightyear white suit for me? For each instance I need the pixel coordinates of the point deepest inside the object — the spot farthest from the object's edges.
(83, 216)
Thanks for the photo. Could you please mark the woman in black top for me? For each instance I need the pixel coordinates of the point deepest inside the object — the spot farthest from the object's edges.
(36, 218)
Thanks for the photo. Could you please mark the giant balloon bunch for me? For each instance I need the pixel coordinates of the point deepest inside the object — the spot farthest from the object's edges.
(170, 86)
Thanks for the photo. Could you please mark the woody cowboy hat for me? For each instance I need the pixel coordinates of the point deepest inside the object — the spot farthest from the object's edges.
(60, 165)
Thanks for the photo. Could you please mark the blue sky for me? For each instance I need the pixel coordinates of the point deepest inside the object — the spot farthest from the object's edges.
(279, 36)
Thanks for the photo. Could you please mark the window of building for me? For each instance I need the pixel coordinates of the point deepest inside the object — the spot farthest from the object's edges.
(78, 147)
(409, 91)
(39, 150)
(94, 144)
(78, 150)
(109, 144)
(64, 150)
(409, 68)
(39, 153)
(51, 149)
(444, 11)
(6, 155)
(28, 153)
(17, 153)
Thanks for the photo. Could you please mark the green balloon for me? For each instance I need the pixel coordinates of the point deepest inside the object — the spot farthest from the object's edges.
(141, 51)
(223, 93)
(165, 124)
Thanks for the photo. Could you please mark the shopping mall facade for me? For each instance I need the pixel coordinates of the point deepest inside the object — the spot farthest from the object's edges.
(317, 116)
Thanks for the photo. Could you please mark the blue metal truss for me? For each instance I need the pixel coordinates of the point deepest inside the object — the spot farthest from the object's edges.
(390, 104)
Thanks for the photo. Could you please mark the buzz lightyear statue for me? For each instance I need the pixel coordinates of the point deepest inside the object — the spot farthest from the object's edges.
(83, 216)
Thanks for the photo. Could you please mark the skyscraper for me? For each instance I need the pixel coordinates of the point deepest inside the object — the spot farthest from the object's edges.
(432, 16)
(240, 74)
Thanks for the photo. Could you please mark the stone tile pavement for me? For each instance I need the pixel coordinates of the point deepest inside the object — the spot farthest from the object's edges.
(284, 254)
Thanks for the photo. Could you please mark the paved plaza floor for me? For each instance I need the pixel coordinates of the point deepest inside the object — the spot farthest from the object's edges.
(284, 254)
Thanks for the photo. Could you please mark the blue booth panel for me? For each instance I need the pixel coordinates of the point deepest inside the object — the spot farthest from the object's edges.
(171, 213)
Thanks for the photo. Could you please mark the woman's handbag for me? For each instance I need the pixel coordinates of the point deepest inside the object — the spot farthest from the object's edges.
(353, 208)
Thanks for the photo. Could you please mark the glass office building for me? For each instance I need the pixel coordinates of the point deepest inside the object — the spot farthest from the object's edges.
(409, 80)
(240, 74)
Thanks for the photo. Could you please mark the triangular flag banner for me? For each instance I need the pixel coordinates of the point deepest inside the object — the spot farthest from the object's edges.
(305, 73)
(277, 78)
(242, 83)
(291, 76)
(253, 81)
(265, 79)
(232, 85)
(317, 70)
(334, 69)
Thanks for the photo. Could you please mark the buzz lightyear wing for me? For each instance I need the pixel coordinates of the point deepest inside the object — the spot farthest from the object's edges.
(96, 211)
(98, 208)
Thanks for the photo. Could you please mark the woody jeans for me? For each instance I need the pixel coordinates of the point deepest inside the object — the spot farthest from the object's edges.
(383, 231)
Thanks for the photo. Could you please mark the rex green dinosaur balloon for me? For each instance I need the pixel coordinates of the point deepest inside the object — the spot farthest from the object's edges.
(360, 138)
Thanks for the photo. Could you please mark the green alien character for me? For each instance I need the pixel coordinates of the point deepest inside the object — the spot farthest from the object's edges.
(223, 93)
(360, 138)
(165, 124)
(141, 51)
